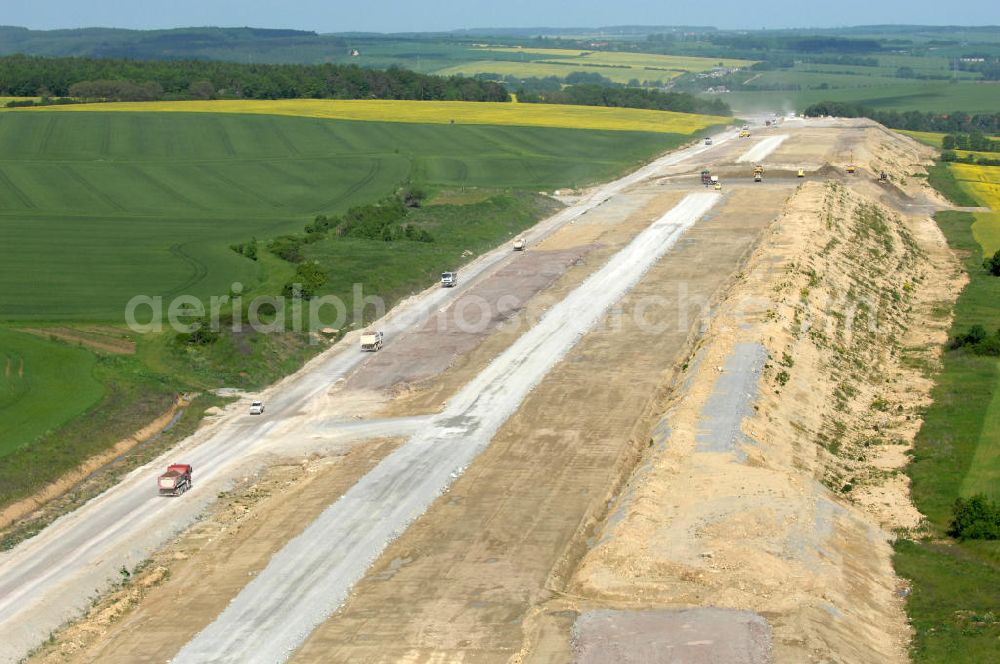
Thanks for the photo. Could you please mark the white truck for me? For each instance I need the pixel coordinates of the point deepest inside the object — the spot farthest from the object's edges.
(449, 279)
(519, 244)
(372, 341)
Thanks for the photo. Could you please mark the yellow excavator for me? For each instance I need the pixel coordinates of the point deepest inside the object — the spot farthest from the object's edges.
(758, 173)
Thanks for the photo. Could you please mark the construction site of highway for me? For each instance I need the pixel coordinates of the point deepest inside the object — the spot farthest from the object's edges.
(672, 428)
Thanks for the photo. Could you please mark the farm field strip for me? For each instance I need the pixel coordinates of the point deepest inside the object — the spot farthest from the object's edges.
(636, 60)
(984, 471)
(986, 230)
(426, 112)
(938, 96)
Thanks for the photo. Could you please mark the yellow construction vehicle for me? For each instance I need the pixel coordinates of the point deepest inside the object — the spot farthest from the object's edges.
(745, 134)
(850, 168)
(758, 173)
(800, 174)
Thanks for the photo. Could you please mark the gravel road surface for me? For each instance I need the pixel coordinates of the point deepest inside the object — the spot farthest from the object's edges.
(312, 576)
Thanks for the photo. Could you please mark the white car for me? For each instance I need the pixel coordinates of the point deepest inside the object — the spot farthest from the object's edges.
(257, 408)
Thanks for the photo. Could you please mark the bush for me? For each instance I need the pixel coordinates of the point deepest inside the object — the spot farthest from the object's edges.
(979, 341)
(308, 279)
(201, 335)
(992, 265)
(975, 334)
(287, 247)
(975, 518)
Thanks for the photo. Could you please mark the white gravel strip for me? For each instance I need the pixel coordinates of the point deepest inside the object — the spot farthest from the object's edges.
(311, 577)
(761, 150)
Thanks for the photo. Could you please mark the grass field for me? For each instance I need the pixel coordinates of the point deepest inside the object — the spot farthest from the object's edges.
(42, 386)
(430, 112)
(986, 230)
(148, 203)
(956, 585)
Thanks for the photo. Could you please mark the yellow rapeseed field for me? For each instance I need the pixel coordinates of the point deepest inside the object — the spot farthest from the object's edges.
(972, 173)
(983, 182)
(427, 112)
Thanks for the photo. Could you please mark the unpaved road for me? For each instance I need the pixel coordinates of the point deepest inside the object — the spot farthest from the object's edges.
(49, 579)
(306, 582)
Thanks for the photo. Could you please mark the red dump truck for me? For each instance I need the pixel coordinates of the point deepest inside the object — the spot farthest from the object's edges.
(176, 480)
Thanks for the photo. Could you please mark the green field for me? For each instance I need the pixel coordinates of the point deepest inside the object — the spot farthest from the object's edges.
(98, 207)
(42, 386)
(956, 585)
(940, 96)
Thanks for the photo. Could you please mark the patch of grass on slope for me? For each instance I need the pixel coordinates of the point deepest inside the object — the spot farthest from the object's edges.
(955, 604)
(394, 270)
(42, 386)
(388, 270)
(51, 446)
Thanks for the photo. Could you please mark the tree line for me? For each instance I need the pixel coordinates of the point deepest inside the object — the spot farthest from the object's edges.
(952, 123)
(597, 95)
(138, 80)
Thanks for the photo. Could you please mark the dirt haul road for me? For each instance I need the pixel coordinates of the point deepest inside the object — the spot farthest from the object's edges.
(50, 579)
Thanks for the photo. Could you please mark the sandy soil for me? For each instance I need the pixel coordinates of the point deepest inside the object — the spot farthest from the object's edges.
(166, 601)
(457, 583)
(793, 523)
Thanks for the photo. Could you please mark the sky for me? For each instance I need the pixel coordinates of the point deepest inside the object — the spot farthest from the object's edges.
(432, 15)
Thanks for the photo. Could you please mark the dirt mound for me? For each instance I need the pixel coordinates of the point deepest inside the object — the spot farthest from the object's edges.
(790, 515)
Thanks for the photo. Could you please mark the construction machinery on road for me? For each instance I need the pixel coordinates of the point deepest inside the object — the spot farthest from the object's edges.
(519, 244)
(758, 173)
(176, 480)
(801, 173)
(449, 279)
(372, 341)
(745, 133)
